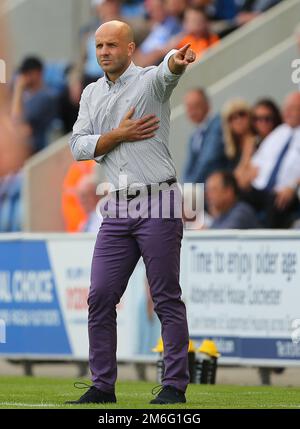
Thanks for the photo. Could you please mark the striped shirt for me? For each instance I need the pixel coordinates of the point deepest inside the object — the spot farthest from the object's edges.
(102, 107)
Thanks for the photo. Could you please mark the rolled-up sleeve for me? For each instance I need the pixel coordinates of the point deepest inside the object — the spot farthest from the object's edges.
(164, 81)
(83, 141)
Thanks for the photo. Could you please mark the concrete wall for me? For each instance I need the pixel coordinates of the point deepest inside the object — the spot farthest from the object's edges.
(49, 29)
(43, 178)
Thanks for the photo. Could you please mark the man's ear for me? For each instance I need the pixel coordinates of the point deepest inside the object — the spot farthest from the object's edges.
(131, 48)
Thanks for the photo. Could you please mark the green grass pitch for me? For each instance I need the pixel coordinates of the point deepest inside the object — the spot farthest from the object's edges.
(40, 392)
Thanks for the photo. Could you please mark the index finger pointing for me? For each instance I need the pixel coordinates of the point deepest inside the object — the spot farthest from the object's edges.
(184, 48)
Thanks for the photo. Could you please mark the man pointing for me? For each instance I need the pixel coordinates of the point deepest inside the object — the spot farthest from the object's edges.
(123, 124)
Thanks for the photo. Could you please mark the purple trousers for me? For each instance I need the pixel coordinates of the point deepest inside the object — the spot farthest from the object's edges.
(119, 245)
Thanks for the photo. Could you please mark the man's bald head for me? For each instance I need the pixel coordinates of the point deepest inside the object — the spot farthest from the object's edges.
(114, 47)
(119, 28)
(291, 109)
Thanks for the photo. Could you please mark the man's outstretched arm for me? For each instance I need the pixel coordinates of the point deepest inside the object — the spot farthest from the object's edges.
(166, 76)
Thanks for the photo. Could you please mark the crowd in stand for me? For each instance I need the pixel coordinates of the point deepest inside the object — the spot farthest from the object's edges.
(229, 152)
(248, 158)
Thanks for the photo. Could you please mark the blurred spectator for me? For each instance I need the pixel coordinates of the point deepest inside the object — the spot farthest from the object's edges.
(133, 8)
(250, 9)
(266, 117)
(88, 199)
(68, 101)
(223, 9)
(224, 206)
(205, 151)
(33, 103)
(240, 141)
(197, 31)
(227, 15)
(296, 224)
(176, 8)
(11, 216)
(13, 144)
(278, 165)
(220, 12)
(217, 9)
(73, 213)
(164, 26)
(54, 74)
(13, 148)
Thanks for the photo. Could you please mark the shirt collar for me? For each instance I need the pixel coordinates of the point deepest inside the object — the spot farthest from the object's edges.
(204, 124)
(125, 76)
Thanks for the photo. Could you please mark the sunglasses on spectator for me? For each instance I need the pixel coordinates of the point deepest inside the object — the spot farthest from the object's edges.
(237, 115)
(263, 118)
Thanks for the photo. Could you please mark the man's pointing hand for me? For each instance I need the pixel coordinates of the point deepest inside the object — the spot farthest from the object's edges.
(181, 59)
(184, 56)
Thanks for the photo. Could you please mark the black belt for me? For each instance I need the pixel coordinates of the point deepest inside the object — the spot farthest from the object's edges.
(124, 192)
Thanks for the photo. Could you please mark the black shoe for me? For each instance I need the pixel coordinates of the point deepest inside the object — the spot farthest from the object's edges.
(93, 396)
(168, 395)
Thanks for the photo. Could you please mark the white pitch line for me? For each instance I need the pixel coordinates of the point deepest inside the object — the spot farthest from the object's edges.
(21, 404)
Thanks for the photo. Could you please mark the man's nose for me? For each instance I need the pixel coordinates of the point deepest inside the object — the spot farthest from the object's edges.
(104, 50)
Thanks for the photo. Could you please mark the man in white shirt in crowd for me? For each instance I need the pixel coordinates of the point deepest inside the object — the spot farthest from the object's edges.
(277, 161)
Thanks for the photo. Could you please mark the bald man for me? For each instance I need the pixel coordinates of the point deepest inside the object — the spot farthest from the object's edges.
(123, 124)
